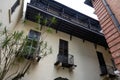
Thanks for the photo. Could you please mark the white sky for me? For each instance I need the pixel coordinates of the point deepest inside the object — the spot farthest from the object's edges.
(77, 5)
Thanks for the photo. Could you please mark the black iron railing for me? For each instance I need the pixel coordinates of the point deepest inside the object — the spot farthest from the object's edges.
(111, 70)
(108, 70)
(73, 18)
(62, 58)
(66, 61)
(70, 59)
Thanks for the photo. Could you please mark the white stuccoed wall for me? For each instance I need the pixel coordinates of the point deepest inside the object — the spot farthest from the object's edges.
(85, 58)
(5, 5)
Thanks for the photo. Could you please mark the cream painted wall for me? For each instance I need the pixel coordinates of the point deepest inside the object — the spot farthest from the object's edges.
(85, 58)
(5, 5)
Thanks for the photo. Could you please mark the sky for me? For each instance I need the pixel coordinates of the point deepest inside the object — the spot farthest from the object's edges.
(78, 5)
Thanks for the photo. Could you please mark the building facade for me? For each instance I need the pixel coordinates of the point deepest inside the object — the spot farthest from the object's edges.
(79, 50)
(85, 57)
(108, 15)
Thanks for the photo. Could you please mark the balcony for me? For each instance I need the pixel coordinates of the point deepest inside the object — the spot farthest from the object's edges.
(109, 72)
(67, 14)
(68, 20)
(65, 61)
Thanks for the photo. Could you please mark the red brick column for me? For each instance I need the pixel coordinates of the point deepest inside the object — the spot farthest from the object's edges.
(110, 31)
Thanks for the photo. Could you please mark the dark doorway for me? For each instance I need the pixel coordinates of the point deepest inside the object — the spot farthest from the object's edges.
(102, 64)
(63, 51)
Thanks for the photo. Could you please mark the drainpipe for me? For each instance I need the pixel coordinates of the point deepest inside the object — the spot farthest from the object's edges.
(111, 14)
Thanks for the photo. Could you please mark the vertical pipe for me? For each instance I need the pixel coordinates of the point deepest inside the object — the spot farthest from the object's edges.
(111, 14)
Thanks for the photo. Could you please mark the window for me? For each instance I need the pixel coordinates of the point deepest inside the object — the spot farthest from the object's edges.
(60, 78)
(102, 64)
(15, 6)
(32, 43)
(63, 47)
(63, 57)
(63, 51)
(34, 35)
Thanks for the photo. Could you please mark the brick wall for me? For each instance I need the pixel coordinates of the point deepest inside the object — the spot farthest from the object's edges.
(111, 32)
(115, 6)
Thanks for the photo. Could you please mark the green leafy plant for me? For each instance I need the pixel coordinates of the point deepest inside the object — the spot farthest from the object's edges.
(10, 46)
(53, 20)
(43, 21)
(12, 54)
(45, 50)
(14, 48)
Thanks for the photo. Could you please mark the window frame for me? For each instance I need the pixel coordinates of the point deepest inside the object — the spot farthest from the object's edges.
(30, 41)
(102, 64)
(15, 5)
(63, 47)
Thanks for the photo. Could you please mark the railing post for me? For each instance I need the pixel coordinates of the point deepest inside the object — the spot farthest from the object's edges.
(89, 23)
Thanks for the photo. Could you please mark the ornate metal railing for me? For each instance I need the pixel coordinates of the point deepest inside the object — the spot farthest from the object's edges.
(68, 17)
(109, 71)
(65, 60)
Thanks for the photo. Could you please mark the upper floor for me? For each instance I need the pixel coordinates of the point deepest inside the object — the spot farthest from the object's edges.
(68, 20)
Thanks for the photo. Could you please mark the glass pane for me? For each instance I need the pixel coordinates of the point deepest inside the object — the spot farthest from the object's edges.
(34, 35)
(26, 50)
(32, 51)
(29, 42)
(34, 44)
